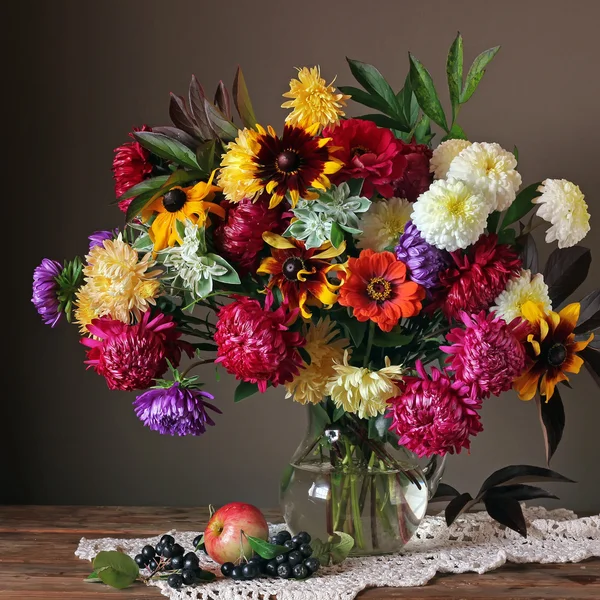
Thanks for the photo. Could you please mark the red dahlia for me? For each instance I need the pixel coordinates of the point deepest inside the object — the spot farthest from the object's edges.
(477, 276)
(368, 152)
(416, 178)
(131, 165)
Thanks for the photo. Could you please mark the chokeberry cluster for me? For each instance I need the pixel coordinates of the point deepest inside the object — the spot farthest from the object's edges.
(169, 557)
(297, 562)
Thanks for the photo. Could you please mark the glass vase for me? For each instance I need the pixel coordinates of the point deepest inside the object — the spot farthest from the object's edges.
(351, 476)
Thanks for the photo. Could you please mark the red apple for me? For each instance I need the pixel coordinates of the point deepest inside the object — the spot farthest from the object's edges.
(222, 537)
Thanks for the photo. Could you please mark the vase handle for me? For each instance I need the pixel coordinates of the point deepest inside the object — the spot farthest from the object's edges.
(433, 472)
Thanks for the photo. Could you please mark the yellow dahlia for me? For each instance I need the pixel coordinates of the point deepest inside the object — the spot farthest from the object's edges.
(324, 348)
(117, 282)
(383, 223)
(261, 161)
(313, 101)
(362, 391)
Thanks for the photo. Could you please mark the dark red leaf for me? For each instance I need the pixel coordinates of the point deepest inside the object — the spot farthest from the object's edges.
(589, 314)
(566, 269)
(177, 134)
(552, 418)
(507, 511)
(180, 115)
(223, 100)
(519, 492)
(592, 362)
(529, 253)
(445, 493)
(196, 99)
(457, 506)
(521, 474)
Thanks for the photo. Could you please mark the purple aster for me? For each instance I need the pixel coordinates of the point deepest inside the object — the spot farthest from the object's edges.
(97, 238)
(176, 410)
(45, 288)
(423, 260)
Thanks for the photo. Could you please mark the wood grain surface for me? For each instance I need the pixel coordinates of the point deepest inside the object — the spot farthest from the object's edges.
(37, 561)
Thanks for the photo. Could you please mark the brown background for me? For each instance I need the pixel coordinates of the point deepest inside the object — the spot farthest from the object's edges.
(82, 74)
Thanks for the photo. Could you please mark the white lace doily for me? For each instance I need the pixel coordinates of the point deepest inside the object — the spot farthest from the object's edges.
(473, 543)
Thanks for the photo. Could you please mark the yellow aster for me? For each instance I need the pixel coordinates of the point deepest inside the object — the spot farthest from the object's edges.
(324, 350)
(85, 312)
(118, 283)
(313, 100)
(362, 391)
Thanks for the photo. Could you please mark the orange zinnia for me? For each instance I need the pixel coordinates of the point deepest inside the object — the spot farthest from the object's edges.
(377, 289)
(300, 273)
(551, 348)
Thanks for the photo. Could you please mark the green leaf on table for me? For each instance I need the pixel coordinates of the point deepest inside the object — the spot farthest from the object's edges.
(321, 551)
(521, 205)
(167, 148)
(340, 547)
(265, 549)
(337, 235)
(566, 269)
(205, 576)
(93, 578)
(116, 569)
(422, 85)
(393, 338)
(454, 71)
(476, 72)
(365, 98)
(244, 390)
(241, 99)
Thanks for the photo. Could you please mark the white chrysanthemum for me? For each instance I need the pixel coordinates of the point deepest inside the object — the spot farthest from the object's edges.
(562, 204)
(519, 290)
(444, 154)
(491, 170)
(383, 223)
(450, 214)
(362, 391)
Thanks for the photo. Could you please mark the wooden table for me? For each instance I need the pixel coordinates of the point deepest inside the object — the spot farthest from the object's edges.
(37, 560)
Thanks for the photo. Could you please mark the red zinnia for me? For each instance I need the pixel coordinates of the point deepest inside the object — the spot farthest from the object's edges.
(368, 152)
(239, 237)
(377, 289)
(130, 357)
(254, 343)
(131, 166)
(416, 178)
(477, 276)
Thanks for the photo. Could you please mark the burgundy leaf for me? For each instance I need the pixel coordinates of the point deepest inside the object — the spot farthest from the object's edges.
(529, 253)
(180, 115)
(196, 99)
(589, 314)
(223, 100)
(445, 493)
(592, 362)
(223, 128)
(552, 418)
(519, 492)
(566, 269)
(457, 506)
(521, 474)
(177, 134)
(507, 511)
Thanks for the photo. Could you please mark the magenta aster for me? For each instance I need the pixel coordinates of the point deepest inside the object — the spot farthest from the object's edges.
(434, 414)
(175, 410)
(131, 357)
(254, 343)
(488, 355)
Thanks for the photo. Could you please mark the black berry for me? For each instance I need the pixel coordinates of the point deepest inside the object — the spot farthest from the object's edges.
(295, 557)
(250, 570)
(300, 571)
(312, 564)
(284, 570)
(305, 550)
(177, 562)
(189, 576)
(159, 548)
(197, 540)
(190, 560)
(227, 568)
(281, 558)
(296, 541)
(177, 550)
(282, 537)
(149, 552)
(153, 564)
(167, 540)
(237, 574)
(140, 561)
(304, 537)
(290, 545)
(273, 539)
(175, 581)
(168, 551)
(271, 567)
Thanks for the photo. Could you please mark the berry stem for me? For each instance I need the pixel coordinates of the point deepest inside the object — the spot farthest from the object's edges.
(196, 364)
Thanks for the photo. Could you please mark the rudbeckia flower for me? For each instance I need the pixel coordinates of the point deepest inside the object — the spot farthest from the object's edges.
(301, 273)
(180, 204)
(551, 348)
(261, 161)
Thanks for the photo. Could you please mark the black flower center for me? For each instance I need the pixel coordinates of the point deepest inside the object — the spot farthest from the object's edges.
(379, 289)
(557, 354)
(288, 161)
(291, 267)
(360, 150)
(173, 200)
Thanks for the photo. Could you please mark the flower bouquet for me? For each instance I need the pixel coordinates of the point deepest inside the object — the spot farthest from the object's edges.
(391, 286)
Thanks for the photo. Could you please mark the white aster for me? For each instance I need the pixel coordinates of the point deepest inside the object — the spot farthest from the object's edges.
(450, 214)
(444, 154)
(489, 169)
(383, 223)
(520, 289)
(562, 204)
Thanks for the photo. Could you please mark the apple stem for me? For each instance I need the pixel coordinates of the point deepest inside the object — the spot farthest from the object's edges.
(242, 553)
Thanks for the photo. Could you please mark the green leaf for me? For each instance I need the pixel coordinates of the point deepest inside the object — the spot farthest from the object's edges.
(340, 549)
(516, 153)
(148, 185)
(355, 186)
(167, 148)
(356, 329)
(319, 415)
(365, 98)
(408, 103)
(116, 569)
(264, 549)
(337, 235)
(476, 73)
(378, 427)
(423, 130)
(305, 355)
(492, 221)
(206, 576)
(219, 123)
(456, 133)
(338, 413)
(243, 390)
(92, 578)
(507, 236)
(205, 155)
(373, 81)
(321, 551)
(241, 99)
(454, 71)
(521, 205)
(391, 339)
(385, 121)
(231, 276)
(206, 346)
(427, 97)
(286, 478)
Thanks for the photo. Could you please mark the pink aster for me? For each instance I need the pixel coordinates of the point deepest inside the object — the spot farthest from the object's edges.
(255, 344)
(434, 414)
(130, 357)
(488, 354)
